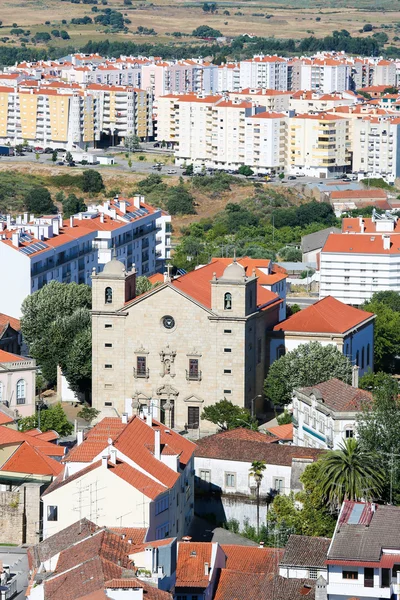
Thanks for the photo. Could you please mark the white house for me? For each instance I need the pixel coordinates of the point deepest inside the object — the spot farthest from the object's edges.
(324, 415)
(222, 466)
(305, 557)
(17, 383)
(328, 321)
(364, 556)
(126, 472)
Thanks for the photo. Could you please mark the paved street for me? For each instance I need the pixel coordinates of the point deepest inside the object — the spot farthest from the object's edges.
(17, 559)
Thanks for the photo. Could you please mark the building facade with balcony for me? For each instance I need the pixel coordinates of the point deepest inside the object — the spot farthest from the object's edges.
(364, 556)
(324, 415)
(376, 147)
(49, 248)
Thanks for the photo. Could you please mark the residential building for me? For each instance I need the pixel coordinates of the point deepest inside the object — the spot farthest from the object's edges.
(85, 561)
(270, 72)
(125, 473)
(318, 145)
(48, 248)
(309, 101)
(18, 383)
(347, 200)
(272, 100)
(325, 74)
(266, 142)
(328, 321)
(363, 559)
(375, 147)
(325, 414)
(304, 557)
(224, 485)
(284, 433)
(10, 334)
(312, 244)
(145, 353)
(28, 464)
(228, 76)
(362, 260)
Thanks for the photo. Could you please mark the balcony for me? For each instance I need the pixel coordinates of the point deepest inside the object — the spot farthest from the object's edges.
(193, 375)
(141, 373)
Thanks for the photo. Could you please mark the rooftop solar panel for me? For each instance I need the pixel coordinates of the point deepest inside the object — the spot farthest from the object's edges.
(355, 514)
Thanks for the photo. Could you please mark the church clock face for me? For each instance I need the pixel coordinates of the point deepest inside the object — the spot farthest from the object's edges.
(168, 322)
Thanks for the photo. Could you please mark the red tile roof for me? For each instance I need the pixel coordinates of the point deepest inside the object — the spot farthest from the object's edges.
(247, 435)
(340, 396)
(135, 534)
(190, 568)
(7, 357)
(6, 320)
(11, 436)
(359, 194)
(4, 419)
(29, 460)
(233, 585)
(283, 432)
(361, 244)
(137, 479)
(364, 225)
(325, 316)
(251, 559)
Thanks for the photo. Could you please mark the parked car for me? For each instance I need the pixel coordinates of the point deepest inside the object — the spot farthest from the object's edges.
(292, 177)
(71, 164)
(60, 164)
(156, 145)
(171, 171)
(300, 174)
(345, 178)
(48, 150)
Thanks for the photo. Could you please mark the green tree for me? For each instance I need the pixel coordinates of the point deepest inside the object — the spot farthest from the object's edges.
(389, 298)
(350, 473)
(378, 429)
(77, 364)
(54, 156)
(386, 334)
(38, 201)
(51, 418)
(92, 181)
(285, 418)
(132, 142)
(88, 413)
(245, 170)
(73, 205)
(228, 416)
(375, 382)
(306, 365)
(142, 285)
(179, 201)
(37, 156)
(257, 471)
(48, 334)
(68, 157)
(189, 169)
(290, 254)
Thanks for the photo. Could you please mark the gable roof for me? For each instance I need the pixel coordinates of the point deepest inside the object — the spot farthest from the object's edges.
(325, 316)
(11, 436)
(250, 559)
(230, 449)
(339, 396)
(305, 551)
(314, 241)
(30, 460)
(233, 585)
(6, 320)
(190, 569)
(7, 357)
(283, 432)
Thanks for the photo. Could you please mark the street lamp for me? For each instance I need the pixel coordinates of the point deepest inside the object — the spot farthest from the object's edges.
(252, 403)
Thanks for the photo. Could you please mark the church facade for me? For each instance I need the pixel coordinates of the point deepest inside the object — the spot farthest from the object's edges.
(185, 344)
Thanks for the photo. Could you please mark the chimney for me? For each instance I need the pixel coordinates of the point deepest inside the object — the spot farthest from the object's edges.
(101, 217)
(8, 221)
(137, 200)
(31, 217)
(186, 538)
(56, 227)
(15, 239)
(354, 378)
(104, 462)
(124, 418)
(386, 242)
(206, 569)
(60, 220)
(149, 417)
(26, 216)
(157, 444)
(122, 206)
(113, 456)
(71, 221)
(80, 217)
(261, 545)
(79, 438)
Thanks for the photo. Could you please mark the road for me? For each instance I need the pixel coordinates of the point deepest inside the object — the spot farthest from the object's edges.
(302, 301)
(17, 559)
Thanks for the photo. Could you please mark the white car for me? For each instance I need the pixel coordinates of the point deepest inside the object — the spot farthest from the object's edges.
(171, 172)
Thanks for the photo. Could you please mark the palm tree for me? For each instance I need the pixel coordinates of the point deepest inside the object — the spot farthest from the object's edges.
(256, 470)
(350, 473)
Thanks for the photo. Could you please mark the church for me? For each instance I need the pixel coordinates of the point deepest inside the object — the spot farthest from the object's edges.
(187, 343)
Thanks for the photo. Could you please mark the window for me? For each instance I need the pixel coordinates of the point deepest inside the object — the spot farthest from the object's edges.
(306, 416)
(162, 531)
(227, 371)
(279, 484)
(227, 391)
(108, 404)
(362, 357)
(395, 570)
(349, 574)
(107, 345)
(108, 366)
(193, 417)
(107, 325)
(21, 391)
(230, 480)
(228, 301)
(313, 573)
(161, 505)
(349, 433)
(357, 358)
(385, 581)
(205, 475)
(52, 513)
(227, 330)
(193, 368)
(108, 295)
(280, 351)
(227, 349)
(141, 366)
(368, 354)
(368, 577)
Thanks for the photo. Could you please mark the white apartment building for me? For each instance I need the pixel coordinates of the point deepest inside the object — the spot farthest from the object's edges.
(192, 125)
(324, 415)
(375, 146)
(126, 473)
(49, 248)
(272, 100)
(308, 101)
(362, 260)
(326, 75)
(366, 72)
(269, 72)
(265, 141)
(228, 77)
(318, 145)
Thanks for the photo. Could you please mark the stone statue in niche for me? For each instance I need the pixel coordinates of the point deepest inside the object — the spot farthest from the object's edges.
(167, 357)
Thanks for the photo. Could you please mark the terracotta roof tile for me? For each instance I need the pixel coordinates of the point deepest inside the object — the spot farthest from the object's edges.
(283, 432)
(11, 436)
(14, 323)
(29, 460)
(325, 316)
(249, 559)
(137, 479)
(305, 551)
(5, 419)
(362, 244)
(135, 534)
(191, 559)
(7, 357)
(339, 396)
(233, 585)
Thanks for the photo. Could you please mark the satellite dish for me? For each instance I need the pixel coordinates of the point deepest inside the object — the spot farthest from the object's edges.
(109, 441)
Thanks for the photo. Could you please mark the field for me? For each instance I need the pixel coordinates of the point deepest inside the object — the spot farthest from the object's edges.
(287, 20)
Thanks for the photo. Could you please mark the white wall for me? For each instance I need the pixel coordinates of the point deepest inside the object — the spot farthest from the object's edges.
(15, 280)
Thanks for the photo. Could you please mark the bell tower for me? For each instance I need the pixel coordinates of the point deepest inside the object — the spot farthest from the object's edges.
(113, 287)
(234, 294)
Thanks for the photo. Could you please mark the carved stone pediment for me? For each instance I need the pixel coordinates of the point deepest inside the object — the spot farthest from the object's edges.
(194, 399)
(141, 350)
(167, 390)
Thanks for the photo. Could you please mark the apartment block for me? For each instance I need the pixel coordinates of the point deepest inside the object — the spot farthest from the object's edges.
(362, 260)
(228, 77)
(318, 145)
(375, 145)
(266, 141)
(35, 251)
(269, 72)
(272, 100)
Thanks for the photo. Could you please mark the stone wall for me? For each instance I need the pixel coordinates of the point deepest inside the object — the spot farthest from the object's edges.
(20, 515)
(231, 506)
